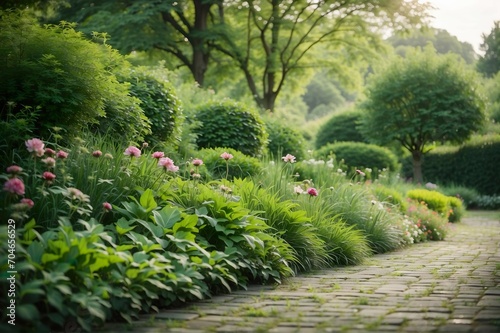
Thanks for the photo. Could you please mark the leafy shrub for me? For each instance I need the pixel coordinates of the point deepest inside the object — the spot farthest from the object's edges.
(159, 102)
(358, 155)
(486, 202)
(230, 125)
(433, 225)
(240, 166)
(457, 210)
(71, 79)
(340, 127)
(434, 200)
(391, 196)
(468, 195)
(284, 140)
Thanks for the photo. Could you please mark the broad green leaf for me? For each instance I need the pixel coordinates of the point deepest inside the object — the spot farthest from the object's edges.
(167, 217)
(27, 312)
(147, 200)
(123, 226)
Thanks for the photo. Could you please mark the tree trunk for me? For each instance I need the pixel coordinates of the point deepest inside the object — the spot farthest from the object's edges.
(417, 166)
(200, 51)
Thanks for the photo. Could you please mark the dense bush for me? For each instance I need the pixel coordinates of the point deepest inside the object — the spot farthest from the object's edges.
(68, 77)
(468, 195)
(390, 196)
(284, 140)
(360, 155)
(159, 102)
(340, 127)
(469, 165)
(230, 125)
(239, 166)
(451, 208)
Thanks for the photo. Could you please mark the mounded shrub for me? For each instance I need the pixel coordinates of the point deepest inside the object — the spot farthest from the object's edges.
(231, 125)
(340, 127)
(449, 207)
(284, 140)
(240, 166)
(159, 102)
(69, 78)
(360, 155)
(391, 196)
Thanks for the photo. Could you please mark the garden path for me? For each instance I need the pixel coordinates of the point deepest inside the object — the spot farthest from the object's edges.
(446, 286)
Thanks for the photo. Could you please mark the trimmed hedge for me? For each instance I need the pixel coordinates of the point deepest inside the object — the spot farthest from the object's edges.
(230, 124)
(340, 127)
(360, 155)
(240, 166)
(472, 165)
(284, 140)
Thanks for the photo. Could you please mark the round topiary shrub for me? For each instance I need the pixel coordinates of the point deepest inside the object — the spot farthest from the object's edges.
(232, 125)
(284, 140)
(360, 155)
(340, 127)
(239, 166)
(159, 102)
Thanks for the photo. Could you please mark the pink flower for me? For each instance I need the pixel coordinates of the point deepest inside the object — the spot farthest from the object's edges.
(62, 154)
(28, 202)
(97, 153)
(359, 172)
(288, 158)
(14, 169)
(35, 146)
(298, 189)
(197, 162)
(49, 161)
(49, 152)
(226, 156)
(15, 186)
(132, 151)
(49, 176)
(167, 164)
(107, 206)
(312, 192)
(158, 154)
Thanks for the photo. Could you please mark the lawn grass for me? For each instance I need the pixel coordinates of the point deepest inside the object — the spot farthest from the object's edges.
(485, 214)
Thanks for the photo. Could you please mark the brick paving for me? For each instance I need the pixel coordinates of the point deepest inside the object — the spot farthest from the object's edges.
(447, 286)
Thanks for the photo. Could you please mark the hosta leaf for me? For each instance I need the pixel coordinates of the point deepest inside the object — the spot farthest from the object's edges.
(147, 200)
(27, 312)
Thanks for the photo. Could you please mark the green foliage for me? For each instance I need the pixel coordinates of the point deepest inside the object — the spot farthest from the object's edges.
(469, 165)
(486, 202)
(489, 64)
(431, 223)
(287, 221)
(451, 208)
(230, 125)
(240, 166)
(70, 78)
(467, 194)
(358, 155)
(159, 102)
(422, 99)
(321, 92)
(391, 196)
(340, 127)
(284, 140)
(441, 39)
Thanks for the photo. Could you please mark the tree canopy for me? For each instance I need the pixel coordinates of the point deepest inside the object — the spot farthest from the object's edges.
(420, 100)
(265, 40)
(489, 64)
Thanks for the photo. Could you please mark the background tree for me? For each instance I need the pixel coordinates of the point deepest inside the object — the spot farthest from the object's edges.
(181, 28)
(268, 40)
(441, 39)
(422, 99)
(489, 64)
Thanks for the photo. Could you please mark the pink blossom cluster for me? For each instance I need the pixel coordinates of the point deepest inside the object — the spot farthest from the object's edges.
(168, 164)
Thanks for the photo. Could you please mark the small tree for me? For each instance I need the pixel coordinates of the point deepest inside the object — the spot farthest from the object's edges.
(489, 64)
(421, 100)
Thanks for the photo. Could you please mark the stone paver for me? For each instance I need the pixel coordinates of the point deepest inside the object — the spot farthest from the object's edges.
(448, 286)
